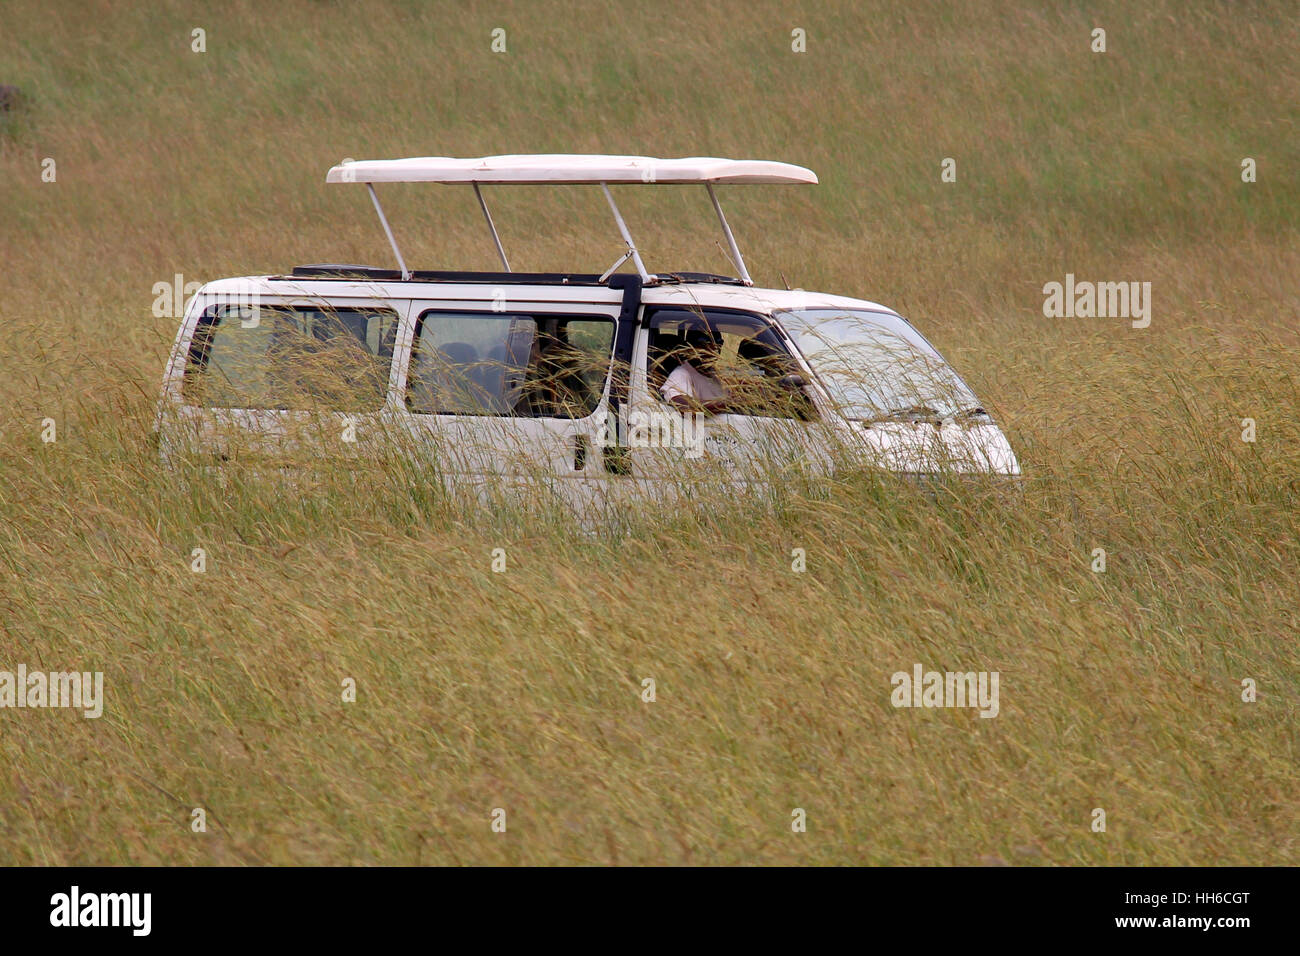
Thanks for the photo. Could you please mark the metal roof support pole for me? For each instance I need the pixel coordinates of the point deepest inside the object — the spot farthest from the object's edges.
(374, 197)
(731, 240)
(627, 237)
(488, 216)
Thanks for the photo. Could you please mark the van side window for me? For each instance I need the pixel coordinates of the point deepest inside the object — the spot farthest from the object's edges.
(291, 357)
(753, 368)
(535, 366)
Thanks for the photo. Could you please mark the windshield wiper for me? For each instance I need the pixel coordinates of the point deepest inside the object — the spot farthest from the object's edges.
(914, 413)
(925, 413)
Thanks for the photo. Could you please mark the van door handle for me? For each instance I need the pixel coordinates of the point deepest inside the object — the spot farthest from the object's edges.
(579, 452)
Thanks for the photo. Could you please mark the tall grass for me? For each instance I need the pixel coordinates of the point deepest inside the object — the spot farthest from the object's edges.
(522, 689)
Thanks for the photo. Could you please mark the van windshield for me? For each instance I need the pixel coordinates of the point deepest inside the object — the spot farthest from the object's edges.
(877, 367)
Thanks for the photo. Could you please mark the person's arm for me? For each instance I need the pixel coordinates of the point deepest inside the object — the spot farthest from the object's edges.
(678, 392)
(684, 403)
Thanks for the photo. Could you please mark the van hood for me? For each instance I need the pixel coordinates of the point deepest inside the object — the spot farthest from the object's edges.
(927, 448)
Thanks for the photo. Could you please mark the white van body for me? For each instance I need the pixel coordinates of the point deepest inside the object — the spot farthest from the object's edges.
(451, 357)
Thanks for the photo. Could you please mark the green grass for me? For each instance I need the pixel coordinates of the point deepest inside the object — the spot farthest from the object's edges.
(522, 690)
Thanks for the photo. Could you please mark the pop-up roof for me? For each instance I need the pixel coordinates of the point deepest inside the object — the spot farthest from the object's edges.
(570, 169)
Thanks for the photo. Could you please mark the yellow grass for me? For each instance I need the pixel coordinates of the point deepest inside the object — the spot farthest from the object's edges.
(522, 690)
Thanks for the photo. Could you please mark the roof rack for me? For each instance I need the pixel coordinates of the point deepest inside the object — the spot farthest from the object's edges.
(570, 169)
(371, 273)
(375, 274)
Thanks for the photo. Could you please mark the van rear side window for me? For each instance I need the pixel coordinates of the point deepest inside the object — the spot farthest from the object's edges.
(534, 366)
(291, 357)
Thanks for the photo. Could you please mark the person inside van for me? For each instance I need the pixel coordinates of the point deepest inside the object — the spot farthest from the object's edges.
(693, 385)
(554, 386)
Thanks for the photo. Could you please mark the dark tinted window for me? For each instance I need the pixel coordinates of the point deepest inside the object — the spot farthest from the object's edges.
(291, 357)
(487, 363)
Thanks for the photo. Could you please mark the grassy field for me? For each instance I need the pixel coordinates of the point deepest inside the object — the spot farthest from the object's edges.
(521, 690)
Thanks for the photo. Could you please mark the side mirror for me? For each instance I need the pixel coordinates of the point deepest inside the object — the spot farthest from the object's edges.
(792, 381)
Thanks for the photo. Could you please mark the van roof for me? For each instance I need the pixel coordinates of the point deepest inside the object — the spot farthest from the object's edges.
(568, 169)
(705, 294)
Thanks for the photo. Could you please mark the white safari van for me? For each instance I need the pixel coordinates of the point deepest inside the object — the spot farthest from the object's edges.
(596, 380)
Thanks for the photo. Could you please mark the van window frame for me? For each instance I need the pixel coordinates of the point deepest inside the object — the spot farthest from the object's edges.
(765, 320)
(529, 312)
(198, 351)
